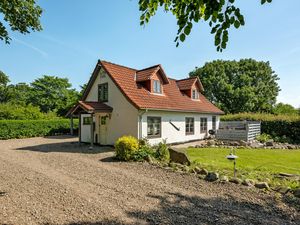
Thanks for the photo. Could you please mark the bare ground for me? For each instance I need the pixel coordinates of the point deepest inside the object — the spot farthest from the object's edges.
(57, 181)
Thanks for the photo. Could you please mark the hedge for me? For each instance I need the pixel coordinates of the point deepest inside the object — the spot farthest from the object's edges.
(34, 128)
(283, 128)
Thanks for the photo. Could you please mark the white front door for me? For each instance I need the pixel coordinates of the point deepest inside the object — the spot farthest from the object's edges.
(103, 129)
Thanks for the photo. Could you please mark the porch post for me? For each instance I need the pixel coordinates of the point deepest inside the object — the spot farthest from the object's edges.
(79, 128)
(92, 131)
(71, 125)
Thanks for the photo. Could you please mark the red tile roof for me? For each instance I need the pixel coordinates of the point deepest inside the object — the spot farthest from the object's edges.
(90, 107)
(172, 100)
(186, 84)
(148, 73)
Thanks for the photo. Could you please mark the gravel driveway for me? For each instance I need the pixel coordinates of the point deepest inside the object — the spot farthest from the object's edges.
(57, 181)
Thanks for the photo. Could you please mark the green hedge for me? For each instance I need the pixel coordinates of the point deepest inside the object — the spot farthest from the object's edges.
(34, 128)
(283, 128)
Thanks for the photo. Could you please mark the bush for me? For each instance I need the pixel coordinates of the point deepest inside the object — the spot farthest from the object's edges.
(125, 147)
(17, 112)
(143, 153)
(162, 152)
(283, 128)
(33, 128)
(263, 138)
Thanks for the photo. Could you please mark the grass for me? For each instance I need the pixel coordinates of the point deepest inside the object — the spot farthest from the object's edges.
(257, 164)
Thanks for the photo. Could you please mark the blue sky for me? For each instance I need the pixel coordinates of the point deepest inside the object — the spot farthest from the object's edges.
(77, 33)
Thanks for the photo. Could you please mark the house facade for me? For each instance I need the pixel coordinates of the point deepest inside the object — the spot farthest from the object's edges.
(145, 103)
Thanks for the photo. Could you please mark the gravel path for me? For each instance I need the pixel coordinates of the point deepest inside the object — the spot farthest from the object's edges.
(57, 181)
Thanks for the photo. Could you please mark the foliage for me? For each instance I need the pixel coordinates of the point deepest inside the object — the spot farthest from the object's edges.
(263, 138)
(282, 108)
(10, 111)
(282, 128)
(33, 128)
(20, 15)
(52, 93)
(257, 164)
(220, 15)
(162, 151)
(125, 147)
(239, 86)
(144, 152)
(4, 79)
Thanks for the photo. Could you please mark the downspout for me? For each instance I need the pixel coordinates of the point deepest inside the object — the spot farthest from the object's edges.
(140, 123)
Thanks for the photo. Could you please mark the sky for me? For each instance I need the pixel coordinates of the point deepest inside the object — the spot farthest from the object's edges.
(77, 33)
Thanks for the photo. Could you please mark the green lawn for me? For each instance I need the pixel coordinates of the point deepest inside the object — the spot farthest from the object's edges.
(258, 164)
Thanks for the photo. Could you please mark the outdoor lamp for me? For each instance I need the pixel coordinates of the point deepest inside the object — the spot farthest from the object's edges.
(233, 157)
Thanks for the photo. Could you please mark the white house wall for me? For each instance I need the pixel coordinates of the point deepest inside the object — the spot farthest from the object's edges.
(124, 118)
(169, 133)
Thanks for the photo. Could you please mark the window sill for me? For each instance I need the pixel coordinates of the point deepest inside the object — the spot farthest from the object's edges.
(153, 137)
(158, 94)
(189, 134)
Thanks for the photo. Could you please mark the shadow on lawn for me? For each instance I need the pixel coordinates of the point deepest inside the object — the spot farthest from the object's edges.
(175, 208)
(67, 147)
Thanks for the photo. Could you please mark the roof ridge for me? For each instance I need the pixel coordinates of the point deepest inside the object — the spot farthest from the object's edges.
(189, 78)
(150, 67)
(118, 65)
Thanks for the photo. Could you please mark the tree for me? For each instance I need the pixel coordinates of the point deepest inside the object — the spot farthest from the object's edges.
(221, 15)
(282, 108)
(239, 86)
(18, 94)
(4, 80)
(52, 93)
(20, 15)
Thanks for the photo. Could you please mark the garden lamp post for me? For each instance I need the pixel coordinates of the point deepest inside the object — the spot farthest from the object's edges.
(233, 157)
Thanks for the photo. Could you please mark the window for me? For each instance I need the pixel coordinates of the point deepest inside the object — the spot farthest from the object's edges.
(214, 121)
(154, 127)
(156, 86)
(203, 125)
(103, 92)
(87, 120)
(189, 125)
(195, 94)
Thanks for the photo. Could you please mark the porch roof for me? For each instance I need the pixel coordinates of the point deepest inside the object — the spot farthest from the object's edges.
(89, 107)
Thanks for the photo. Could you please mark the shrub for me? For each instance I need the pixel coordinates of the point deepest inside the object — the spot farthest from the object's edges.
(143, 153)
(283, 128)
(33, 128)
(263, 137)
(125, 147)
(18, 112)
(162, 152)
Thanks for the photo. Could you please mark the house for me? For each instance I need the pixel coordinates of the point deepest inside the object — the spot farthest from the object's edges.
(144, 103)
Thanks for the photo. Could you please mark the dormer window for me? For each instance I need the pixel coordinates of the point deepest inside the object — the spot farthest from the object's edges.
(156, 86)
(195, 94)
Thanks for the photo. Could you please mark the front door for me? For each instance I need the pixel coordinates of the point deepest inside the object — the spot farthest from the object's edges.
(103, 130)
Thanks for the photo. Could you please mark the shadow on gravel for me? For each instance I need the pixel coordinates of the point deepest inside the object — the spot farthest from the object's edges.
(175, 208)
(67, 147)
(2, 193)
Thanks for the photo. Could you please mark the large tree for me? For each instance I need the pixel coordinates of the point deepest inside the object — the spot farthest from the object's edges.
(52, 93)
(221, 15)
(19, 15)
(239, 86)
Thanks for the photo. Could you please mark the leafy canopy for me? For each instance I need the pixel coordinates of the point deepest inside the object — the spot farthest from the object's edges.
(239, 86)
(20, 15)
(221, 15)
(52, 93)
